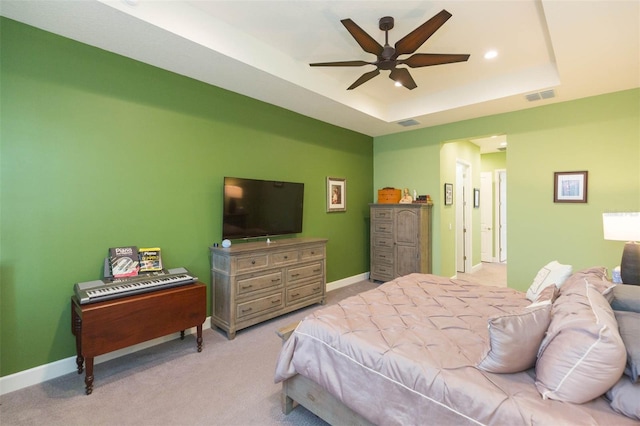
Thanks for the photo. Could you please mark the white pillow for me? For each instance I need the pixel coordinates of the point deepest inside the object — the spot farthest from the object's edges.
(551, 273)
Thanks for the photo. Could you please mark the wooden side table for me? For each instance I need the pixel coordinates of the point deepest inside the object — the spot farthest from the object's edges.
(115, 324)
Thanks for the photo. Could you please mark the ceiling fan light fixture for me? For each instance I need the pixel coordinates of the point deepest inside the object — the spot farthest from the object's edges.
(397, 84)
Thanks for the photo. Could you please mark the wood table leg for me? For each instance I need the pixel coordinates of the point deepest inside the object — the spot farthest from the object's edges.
(199, 338)
(181, 334)
(88, 378)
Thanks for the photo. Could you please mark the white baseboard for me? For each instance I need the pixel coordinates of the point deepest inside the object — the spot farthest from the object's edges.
(42, 373)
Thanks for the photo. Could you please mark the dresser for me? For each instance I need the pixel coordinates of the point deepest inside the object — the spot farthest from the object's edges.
(257, 281)
(400, 240)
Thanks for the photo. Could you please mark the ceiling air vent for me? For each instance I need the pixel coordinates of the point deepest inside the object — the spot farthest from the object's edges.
(545, 94)
(407, 123)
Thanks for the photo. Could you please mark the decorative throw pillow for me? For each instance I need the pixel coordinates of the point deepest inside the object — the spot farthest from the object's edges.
(551, 273)
(629, 325)
(596, 276)
(514, 339)
(625, 398)
(626, 297)
(582, 354)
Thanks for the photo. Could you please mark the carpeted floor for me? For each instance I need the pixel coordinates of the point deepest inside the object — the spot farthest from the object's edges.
(229, 383)
(489, 274)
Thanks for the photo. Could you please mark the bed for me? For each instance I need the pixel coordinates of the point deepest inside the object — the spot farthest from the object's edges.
(424, 349)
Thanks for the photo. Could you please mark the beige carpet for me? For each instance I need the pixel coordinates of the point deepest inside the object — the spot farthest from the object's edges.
(489, 274)
(228, 383)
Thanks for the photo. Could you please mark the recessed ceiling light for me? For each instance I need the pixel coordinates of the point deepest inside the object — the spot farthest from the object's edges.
(491, 54)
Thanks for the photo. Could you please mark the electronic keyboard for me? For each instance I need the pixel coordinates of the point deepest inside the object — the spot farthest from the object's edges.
(99, 290)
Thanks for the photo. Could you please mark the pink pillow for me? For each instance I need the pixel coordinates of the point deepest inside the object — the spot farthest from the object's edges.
(582, 355)
(515, 339)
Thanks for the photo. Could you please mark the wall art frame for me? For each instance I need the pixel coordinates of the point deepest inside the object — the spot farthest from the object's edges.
(448, 194)
(336, 195)
(570, 187)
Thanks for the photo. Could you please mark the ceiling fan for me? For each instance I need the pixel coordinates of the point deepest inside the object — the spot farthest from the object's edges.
(387, 56)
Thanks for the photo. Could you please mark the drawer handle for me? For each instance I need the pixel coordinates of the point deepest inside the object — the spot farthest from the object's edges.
(253, 262)
(275, 301)
(295, 295)
(316, 270)
(313, 252)
(244, 287)
(247, 310)
(316, 289)
(275, 280)
(294, 275)
(286, 257)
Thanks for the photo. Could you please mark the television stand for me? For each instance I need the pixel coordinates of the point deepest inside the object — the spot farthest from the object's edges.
(254, 282)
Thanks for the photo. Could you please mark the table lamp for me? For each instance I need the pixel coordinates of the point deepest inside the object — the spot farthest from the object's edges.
(625, 227)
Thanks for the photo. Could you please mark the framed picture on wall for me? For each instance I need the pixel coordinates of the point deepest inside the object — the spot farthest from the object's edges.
(570, 187)
(336, 194)
(448, 194)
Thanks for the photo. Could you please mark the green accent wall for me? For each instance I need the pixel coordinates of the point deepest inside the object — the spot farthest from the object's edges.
(599, 134)
(98, 150)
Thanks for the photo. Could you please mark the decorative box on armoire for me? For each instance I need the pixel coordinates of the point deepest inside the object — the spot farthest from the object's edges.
(400, 240)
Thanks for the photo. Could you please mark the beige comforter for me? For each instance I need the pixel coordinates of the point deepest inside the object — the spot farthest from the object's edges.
(405, 353)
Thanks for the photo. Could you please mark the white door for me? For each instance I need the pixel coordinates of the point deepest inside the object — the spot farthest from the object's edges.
(486, 217)
(502, 220)
(462, 201)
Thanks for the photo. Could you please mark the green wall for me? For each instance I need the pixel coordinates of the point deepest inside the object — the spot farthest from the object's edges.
(98, 150)
(599, 134)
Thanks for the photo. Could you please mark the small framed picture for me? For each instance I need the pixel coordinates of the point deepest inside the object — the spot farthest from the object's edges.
(570, 187)
(336, 195)
(476, 198)
(448, 194)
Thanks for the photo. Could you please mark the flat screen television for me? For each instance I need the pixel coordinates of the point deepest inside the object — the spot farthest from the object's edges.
(261, 208)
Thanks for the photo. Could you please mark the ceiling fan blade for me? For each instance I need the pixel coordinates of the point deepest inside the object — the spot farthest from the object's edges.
(402, 76)
(428, 59)
(341, 64)
(364, 40)
(412, 41)
(364, 78)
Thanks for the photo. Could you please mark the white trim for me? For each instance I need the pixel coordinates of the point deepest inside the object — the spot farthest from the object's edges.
(42, 373)
(347, 281)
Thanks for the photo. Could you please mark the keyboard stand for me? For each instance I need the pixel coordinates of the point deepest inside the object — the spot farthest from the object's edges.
(115, 324)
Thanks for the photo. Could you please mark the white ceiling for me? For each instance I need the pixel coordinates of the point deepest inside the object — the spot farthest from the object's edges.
(262, 49)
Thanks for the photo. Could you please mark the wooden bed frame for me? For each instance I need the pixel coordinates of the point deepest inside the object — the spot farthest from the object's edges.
(299, 390)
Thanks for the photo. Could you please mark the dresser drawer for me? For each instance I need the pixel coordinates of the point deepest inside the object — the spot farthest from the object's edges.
(380, 227)
(311, 253)
(382, 214)
(383, 241)
(382, 256)
(284, 257)
(307, 271)
(260, 305)
(251, 262)
(254, 282)
(302, 292)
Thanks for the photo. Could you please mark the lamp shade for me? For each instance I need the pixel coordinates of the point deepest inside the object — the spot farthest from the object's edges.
(621, 226)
